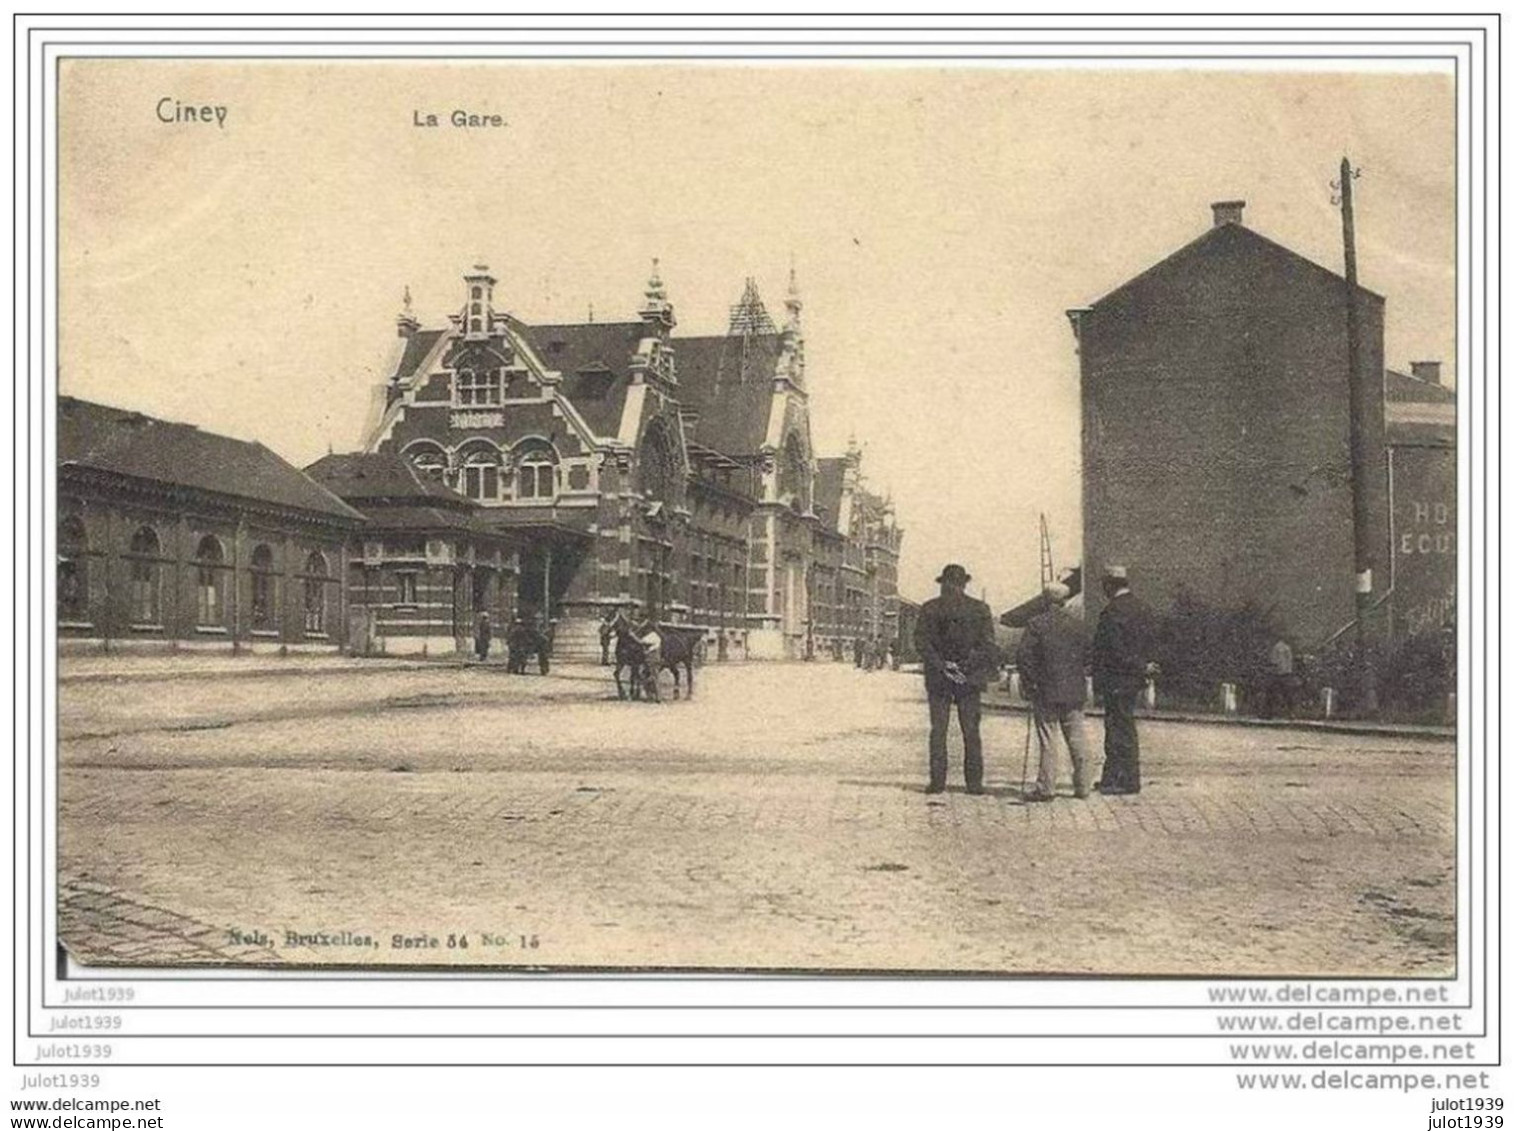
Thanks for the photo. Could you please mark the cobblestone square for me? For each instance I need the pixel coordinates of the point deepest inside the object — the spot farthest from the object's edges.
(775, 821)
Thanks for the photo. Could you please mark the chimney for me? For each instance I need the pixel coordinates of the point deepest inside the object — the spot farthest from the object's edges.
(1426, 371)
(1228, 211)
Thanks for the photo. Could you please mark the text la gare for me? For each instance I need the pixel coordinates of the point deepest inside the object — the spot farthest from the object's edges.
(461, 119)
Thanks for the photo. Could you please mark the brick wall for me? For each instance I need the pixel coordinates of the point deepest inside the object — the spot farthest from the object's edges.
(1215, 433)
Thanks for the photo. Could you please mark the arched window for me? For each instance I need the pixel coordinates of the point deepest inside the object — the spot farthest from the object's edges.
(536, 474)
(73, 571)
(210, 583)
(265, 590)
(145, 578)
(316, 579)
(657, 466)
(481, 474)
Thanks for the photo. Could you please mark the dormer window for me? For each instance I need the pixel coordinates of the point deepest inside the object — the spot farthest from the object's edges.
(430, 462)
(479, 387)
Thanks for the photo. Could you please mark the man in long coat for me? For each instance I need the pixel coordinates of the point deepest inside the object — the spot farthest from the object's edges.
(483, 636)
(1051, 657)
(1121, 653)
(955, 636)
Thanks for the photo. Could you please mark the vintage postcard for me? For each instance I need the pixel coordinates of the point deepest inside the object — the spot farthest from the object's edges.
(908, 518)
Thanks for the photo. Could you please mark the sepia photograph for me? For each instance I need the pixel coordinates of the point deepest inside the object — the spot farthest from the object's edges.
(877, 518)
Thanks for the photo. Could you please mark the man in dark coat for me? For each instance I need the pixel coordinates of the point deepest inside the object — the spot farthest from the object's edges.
(1121, 652)
(483, 636)
(1051, 657)
(955, 636)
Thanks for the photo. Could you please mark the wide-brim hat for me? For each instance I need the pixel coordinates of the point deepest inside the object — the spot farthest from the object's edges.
(955, 575)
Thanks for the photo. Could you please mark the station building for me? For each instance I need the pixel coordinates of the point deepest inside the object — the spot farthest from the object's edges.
(553, 471)
(621, 462)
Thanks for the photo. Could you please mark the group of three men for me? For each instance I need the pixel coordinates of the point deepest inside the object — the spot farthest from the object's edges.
(955, 636)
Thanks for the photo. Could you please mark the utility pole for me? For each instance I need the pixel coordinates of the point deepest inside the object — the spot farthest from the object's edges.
(1360, 464)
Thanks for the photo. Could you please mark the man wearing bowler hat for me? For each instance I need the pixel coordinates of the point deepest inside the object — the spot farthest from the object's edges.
(955, 635)
(1121, 652)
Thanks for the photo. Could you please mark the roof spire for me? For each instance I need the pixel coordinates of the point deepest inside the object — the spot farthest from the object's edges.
(657, 307)
(749, 316)
(792, 303)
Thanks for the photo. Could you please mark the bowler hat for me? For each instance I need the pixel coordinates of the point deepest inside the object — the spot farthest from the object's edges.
(954, 575)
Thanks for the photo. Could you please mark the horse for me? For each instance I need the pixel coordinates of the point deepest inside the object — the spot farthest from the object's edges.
(630, 655)
(676, 648)
(524, 640)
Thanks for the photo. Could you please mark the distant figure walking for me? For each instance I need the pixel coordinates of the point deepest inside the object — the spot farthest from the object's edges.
(483, 636)
(1051, 657)
(607, 635)
(1278, 702)
(955, 636)
(1120, 657)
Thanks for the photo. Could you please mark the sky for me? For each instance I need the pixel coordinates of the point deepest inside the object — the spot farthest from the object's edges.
(244, 275)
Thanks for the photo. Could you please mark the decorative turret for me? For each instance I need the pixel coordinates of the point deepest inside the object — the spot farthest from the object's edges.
(792, 303)
(791, 365)
(407, 323)
(657, 311)
(654, 354)
(479, 313)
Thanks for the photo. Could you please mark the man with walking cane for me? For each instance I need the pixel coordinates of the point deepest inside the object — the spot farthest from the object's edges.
(955, 636)
(1050, 659)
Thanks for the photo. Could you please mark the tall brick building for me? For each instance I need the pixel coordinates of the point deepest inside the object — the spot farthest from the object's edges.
(1215, 430)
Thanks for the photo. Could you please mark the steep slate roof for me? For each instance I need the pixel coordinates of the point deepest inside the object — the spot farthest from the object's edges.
(829, 472)
(1217, 238)
(393, 494)
(367, 477)
(729, 381)
(417, 346)
(594, 359)
(128, 443)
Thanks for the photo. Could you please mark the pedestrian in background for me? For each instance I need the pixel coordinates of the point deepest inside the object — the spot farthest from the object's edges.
(606, 635)
(1121, 653)
(955, 636)
(1051, 659)
(483, 636)
(1279, 698)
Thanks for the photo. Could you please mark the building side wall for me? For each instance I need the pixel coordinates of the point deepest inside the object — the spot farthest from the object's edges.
(1215, 438)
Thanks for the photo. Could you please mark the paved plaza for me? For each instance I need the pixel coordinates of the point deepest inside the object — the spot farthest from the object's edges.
(777, 820)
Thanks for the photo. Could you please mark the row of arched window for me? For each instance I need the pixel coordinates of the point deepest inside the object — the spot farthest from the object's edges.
(481, 468)
(212, 574)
